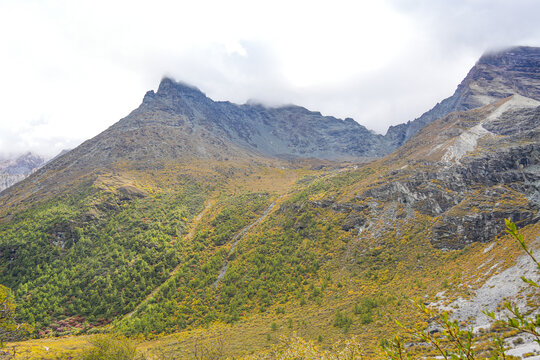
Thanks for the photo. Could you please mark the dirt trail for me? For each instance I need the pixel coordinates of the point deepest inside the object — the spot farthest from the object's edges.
(189, 236)
(239, 236)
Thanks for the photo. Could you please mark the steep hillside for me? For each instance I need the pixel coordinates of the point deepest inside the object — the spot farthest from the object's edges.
(495, 76)
(469, 171)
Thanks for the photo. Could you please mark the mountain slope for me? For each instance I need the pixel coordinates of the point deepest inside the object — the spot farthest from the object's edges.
(469, 171)
(495, 76)
(371, 235)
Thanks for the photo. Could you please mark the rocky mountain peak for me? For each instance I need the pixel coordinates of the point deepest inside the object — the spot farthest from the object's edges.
(22, 164)
(172, 92)
(496, 75)
(168, 87)
(285, 131)
(512, 57)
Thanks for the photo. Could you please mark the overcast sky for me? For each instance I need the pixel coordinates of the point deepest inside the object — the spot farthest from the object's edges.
(69, 69)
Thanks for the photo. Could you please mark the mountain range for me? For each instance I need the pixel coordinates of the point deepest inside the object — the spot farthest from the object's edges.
(252, 222)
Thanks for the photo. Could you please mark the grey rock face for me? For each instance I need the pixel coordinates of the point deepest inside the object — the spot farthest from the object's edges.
(293, 131)
(7, 180)
(500, 179)
(288, 131)
(495, 76)
(21, 165)
(495, 186)
(465, 200)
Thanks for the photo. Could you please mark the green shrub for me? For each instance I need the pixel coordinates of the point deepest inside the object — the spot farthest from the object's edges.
(365, 306)
(366, 318)
(10, 328)
(342, 321)
(110, 347)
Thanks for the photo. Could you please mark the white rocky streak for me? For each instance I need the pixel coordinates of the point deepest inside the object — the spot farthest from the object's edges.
(464, 143)
(489, 248)
(502, 286)
(527, 347)
(468, 140)
(515, 102)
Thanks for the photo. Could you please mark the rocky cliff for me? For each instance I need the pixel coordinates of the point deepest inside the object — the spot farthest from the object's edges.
(495, 76)
(466, 173)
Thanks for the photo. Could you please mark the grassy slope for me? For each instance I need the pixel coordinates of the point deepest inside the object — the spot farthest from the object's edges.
(292, 273)
(98, 250)
(255, 333)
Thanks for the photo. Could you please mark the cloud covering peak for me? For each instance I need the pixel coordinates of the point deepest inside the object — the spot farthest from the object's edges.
(71, 69)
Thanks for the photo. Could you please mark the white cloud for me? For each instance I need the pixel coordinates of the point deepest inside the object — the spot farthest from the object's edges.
(69, 69)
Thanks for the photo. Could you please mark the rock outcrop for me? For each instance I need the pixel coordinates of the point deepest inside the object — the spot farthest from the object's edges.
(468, 180)
(463, 175)
(495, 76)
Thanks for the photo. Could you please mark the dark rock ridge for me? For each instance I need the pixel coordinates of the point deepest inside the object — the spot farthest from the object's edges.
(288, 131)
(495, 76)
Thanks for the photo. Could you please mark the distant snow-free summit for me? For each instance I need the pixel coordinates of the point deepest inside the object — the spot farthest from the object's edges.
(13, 170)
